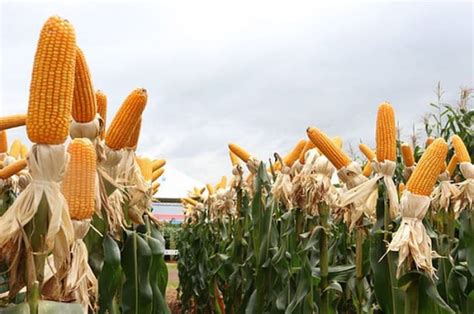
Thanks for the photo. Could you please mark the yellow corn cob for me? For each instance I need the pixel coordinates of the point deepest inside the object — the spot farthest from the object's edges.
(293, 156)
(386, 133)
(428, 142)
(52, 83)
(79, 183)
(189, 201)
(367, 151)
(460, 149)
(233, 158)
(367, 169)
(210, 189)
(3, 142)
(155, 185)
(24, 151)
(307, 146)
(12, 169)
(15, 149)
(407, 154)
(428, 168)
(125, 120)
(101, 100)
(133, 139)
(239, 152)
(146, 169)
(444, 167)
(8, 122)
(222, 184)
(157, 164)
(156, 174)
(452, 165)
(84, 106)
(335, 155)
(401, 188)
(338, 141)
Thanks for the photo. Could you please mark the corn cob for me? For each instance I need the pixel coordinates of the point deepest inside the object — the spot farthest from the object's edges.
(309, 145)
(239, 152)
(210, 189)
(155, 185)
(407, 154)
(3, 142)
(222, 184)
(460, 149)
(157, 164)
(429, 140)
(125, 120)
(335, 155)
(367, 171)
(367, 151)
(145, 166)
(429, 167)
(133, 139)
(452, 165)
(233, 158)
(101, 100)
(23, 151)
(84, 106)
(401, 188)
(293, 156)
(52, 83)
(189, 201)
(156, 174)
(15, 149)
(338, 141)
(386, 133)
(12, 169)
(79, 183)
(8, 122)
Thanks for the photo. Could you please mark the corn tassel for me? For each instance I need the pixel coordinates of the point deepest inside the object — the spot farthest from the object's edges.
(52, 83)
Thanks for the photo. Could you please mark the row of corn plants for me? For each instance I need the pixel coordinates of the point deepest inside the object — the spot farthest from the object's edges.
(76, 232)
(316, 232)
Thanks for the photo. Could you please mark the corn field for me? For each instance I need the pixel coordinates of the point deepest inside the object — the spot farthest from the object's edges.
(395, 235)
(314, 231)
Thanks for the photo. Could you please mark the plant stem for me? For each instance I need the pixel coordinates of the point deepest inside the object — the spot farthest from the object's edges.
(324, 258)
(33, 297)
(359, 233)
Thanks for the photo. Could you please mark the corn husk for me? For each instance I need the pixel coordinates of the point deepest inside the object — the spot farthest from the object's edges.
(411, 240)
(466, 188)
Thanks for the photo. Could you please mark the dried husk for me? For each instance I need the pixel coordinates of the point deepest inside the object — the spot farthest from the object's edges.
(411, 240)
(466, 188)
(282, 188)
(444, 193)
(47, 164)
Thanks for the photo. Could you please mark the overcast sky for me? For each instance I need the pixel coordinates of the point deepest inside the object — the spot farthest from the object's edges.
(257, 74)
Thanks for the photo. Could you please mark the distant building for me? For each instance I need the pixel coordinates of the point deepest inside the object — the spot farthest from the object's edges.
(168, 210)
